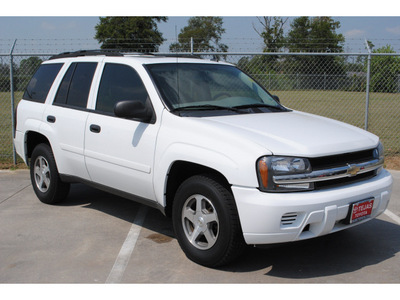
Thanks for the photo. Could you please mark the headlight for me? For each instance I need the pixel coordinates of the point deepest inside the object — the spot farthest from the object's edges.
(379, 153)
(269, 166)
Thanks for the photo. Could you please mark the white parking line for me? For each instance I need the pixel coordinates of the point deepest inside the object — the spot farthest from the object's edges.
(393, 216)
(124, 255)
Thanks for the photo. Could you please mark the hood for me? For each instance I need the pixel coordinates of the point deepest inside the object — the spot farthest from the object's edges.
(296, 133)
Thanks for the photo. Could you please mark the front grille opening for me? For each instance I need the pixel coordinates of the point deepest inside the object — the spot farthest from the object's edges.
(327, 162)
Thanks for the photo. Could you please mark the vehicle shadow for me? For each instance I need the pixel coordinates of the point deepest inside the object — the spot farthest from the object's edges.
(342, 252)
(346, 251)
(91, 198)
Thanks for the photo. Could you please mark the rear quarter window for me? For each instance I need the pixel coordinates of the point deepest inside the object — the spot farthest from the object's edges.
(41, 82)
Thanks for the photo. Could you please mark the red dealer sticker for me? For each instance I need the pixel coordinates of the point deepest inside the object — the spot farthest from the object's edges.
(361, 210)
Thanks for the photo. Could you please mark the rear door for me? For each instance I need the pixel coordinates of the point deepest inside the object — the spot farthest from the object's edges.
(66, 118)
(120, 152)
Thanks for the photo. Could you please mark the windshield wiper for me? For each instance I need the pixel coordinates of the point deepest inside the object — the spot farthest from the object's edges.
(205, 107)
(258, 105)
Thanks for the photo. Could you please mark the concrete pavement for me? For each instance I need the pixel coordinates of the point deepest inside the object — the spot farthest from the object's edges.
(95, 237)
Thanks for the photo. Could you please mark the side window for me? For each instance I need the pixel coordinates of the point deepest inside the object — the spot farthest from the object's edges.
(41, 82)
(75, 86)
(119, 82)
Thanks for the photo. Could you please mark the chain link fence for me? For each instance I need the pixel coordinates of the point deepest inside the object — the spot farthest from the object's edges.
(360, 89)
(337, 86)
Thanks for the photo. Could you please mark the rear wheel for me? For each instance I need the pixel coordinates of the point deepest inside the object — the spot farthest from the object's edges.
(206, 222)
(44, 176)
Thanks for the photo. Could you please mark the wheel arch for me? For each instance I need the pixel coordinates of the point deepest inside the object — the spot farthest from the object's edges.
(182, 170)
(32, 139)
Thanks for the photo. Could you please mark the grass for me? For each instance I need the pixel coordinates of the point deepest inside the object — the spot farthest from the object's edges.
(349, 107)
(6, 138)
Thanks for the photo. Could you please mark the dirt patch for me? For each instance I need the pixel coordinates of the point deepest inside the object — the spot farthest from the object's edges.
(11, 166)
(392, 163)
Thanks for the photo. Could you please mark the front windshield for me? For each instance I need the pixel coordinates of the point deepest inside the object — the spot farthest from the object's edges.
(192, 85)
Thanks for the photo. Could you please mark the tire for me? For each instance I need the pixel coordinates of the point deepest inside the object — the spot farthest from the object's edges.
(44, 176)
(210, 236)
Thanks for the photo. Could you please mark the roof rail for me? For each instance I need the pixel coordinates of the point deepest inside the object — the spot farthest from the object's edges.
(178, 55)
(87, 53)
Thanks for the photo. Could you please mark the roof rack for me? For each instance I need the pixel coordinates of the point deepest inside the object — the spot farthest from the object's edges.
(87, 53)
(113, 52)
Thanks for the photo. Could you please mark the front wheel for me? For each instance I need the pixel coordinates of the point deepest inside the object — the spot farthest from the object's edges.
(206, 221)
(44, 176)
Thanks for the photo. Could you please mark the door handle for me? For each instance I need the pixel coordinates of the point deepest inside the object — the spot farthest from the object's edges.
(95, 128)
(51, 119)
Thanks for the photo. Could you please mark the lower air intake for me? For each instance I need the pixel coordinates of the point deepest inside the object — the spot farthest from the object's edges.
(288, 219)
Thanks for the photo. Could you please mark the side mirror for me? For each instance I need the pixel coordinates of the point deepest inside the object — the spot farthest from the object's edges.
(132, 109)
(276, 98)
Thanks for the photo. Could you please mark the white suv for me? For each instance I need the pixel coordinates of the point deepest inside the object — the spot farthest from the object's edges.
(201, 141)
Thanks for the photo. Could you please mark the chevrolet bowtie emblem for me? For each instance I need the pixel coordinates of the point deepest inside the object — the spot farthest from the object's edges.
(353, 170)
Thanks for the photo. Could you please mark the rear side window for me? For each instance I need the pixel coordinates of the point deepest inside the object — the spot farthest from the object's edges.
(75, 86)
(41, 82)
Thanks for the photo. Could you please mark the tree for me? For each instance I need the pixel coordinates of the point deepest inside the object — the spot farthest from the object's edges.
(385, 71)
(132, 33)
(273, 37)
(316, 34)
(272, 33)
(206, 33)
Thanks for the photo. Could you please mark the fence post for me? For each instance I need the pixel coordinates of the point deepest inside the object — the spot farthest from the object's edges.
(12, 100)
(367, 88)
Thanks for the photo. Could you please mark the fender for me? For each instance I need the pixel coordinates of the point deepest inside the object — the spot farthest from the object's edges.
(191, 154)
(189, 140)
(30, 125)
(220, 162)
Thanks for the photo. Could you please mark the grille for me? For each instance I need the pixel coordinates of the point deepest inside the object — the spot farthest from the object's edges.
(343, 181)
(327, 162)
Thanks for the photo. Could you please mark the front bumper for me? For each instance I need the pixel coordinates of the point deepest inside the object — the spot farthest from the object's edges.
(268, 218)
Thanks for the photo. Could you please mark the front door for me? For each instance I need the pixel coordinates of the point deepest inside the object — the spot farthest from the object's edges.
(119, 153)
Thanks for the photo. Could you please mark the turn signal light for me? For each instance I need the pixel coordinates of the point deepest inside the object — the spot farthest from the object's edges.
(263, 171)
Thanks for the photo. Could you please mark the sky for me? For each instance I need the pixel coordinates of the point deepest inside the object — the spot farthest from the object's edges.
(48, 30)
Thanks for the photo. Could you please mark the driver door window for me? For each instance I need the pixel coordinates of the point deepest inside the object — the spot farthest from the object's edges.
(119, 82)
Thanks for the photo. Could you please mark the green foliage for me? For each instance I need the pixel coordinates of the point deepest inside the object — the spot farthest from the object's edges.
(273, 38)
(4, 77)
(26, 69)
(272, 34)
(316, 34)
(139, 34)
(385, 71)
(206, 33)
(22, 74)
(306, 34)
